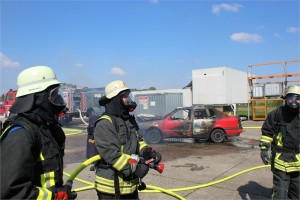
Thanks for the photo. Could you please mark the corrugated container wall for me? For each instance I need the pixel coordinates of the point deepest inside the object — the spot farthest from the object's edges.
(157, 103)
(220, 85)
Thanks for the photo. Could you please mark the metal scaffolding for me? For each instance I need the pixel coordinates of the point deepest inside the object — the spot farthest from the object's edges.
(259, 104)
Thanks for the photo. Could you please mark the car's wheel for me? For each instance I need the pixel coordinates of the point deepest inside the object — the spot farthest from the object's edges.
(217, 136)
(154, 136)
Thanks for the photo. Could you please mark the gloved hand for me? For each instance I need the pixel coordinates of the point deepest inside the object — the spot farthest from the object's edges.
(150, 153)
(141, 170)
(133, 161)
(63, 193)
(265, 157)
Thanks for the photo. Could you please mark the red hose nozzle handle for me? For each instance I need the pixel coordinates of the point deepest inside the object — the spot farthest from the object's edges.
(158, 167)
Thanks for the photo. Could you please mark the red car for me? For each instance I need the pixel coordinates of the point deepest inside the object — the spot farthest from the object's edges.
(197, 122)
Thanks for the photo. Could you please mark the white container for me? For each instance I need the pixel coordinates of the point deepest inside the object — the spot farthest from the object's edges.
(220, 85)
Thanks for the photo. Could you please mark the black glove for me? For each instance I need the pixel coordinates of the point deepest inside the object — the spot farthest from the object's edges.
(265, 157)
(63, 193)
(141, 170)
(150, 153)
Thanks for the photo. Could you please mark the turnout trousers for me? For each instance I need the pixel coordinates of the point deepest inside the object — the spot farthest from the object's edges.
(285, 185)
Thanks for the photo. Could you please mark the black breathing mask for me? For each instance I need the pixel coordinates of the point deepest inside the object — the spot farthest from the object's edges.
(127, 101)
(292, 100)
(57, 102)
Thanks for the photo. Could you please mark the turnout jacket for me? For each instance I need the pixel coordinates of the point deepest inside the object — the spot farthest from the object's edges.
(115, 148)
(283, 134)
(31, 159)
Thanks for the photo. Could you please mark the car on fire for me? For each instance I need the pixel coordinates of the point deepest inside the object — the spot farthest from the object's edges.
(197, 122)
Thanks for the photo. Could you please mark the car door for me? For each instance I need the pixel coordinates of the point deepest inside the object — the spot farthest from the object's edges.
(178, 123)
(203, 123)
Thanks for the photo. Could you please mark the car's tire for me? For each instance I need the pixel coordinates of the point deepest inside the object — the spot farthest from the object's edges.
(217, 136)
(154, 136)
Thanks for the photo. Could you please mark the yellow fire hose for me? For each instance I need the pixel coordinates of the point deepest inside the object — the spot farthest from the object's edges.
(154, 189)
(83, 165)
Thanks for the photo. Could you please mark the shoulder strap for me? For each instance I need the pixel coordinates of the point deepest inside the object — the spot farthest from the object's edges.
(110, 118)
(16, 122)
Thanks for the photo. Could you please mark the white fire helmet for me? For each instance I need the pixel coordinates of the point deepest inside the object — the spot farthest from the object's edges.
(295, 89)
(114, 88)
(35, 79)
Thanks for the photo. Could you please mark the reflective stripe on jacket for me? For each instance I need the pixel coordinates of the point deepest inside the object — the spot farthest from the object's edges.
(115, 148)
(285, 142)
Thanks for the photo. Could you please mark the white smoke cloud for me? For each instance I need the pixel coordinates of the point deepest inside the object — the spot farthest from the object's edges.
(117, 71)
(217, 8)
(246, 38)
(6, 62)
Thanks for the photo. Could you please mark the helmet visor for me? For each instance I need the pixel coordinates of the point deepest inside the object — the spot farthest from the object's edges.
(55, 98)
(127, 101)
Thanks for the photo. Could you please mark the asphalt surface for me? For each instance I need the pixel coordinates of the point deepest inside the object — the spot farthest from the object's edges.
(196, 169)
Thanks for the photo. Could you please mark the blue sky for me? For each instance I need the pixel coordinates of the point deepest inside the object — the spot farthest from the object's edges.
(146, 43)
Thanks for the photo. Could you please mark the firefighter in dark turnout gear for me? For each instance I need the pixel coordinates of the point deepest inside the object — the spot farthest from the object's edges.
(281, 133)
(120, 146)
(32, 143)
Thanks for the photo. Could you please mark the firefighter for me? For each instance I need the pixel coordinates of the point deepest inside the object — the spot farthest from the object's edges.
(90, 145)
(281, 133)
(33, 142)
(121, 147)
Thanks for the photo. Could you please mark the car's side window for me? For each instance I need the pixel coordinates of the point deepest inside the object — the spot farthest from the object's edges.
(202, 114)
(183, 114)
(212, 113)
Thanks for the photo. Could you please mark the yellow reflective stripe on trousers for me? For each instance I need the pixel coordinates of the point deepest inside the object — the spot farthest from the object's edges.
(47, 179)
(107, 186)
(44, 194)
(143, 144)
